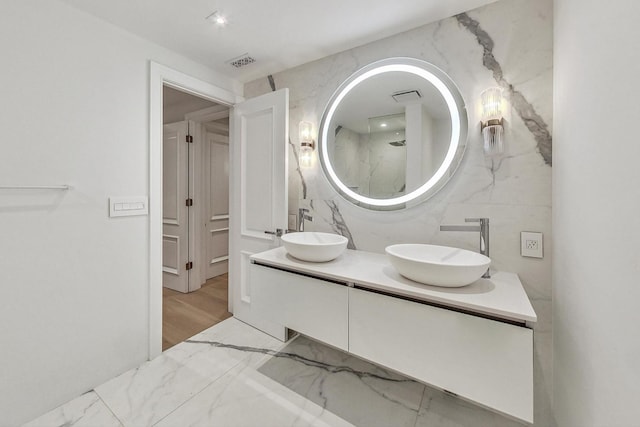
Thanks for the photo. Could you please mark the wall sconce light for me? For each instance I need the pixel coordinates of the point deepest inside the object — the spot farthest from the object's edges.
(492, 121)
(306, 144)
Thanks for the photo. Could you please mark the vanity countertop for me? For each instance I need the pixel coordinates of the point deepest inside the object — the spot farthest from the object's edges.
(500, 296)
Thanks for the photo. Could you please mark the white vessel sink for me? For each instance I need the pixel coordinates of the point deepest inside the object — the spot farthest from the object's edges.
(314, 246)
(438, 265)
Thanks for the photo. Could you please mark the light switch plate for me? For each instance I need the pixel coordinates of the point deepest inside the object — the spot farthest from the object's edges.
(531, 244)
(128, 206)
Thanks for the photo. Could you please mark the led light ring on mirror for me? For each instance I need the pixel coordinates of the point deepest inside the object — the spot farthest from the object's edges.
(453, 145)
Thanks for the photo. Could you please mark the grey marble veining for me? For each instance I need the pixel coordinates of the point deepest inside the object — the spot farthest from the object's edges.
(307, 361)
(294, 151)
(86, 410)
(524, 108)
(296, 158)
(246, 398)
(145, 395)
(338, 223)
(375, 399)
(367, 395)
(253, 379)
(272, 83)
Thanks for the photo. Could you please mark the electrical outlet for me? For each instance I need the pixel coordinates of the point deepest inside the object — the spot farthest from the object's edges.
(531, 244)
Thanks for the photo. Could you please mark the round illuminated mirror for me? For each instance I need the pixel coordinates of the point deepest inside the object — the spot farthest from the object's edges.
(393, 134)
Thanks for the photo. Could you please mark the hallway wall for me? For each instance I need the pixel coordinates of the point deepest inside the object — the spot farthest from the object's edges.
(73, 110)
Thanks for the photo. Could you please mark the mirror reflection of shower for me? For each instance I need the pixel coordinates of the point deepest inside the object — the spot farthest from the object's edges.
(402, 143)
(393, 153)
(387, 156)
(373, 161)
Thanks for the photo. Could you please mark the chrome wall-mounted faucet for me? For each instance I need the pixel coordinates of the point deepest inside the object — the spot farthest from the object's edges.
(483, 228)
(302, 215)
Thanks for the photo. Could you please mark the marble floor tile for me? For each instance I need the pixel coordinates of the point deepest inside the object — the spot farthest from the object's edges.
(246, 398)
(233, 375)
(84, 411)
(223, 347)
(357, 391)
(145, 395)
(441, 410)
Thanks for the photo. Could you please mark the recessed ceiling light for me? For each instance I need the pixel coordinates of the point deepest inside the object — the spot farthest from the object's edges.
(383, 125)
(216, 18)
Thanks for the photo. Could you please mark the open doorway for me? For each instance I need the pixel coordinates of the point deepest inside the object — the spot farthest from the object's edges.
(195, 211)
(259, 138)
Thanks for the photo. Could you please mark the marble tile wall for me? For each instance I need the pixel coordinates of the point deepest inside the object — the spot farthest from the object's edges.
(508, 44)
(368, 164)
(349, 159)
(386, 176)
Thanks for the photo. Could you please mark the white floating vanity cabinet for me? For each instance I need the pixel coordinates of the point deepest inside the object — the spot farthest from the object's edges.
(313, 307)
(473, 342)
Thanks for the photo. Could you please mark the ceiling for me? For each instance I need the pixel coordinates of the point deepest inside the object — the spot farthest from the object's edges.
(279, 34)
(372, 99)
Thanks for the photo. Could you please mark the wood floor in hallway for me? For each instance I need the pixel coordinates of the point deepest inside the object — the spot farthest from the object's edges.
(184, 315)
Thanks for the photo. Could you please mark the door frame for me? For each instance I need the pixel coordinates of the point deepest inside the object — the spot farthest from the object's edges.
(160, 75)
(201, 118)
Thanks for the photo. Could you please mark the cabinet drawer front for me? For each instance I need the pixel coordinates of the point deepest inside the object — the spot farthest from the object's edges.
(482, 360)
(313, 307)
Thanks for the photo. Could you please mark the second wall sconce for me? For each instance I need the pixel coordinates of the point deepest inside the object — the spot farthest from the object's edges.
(492, 121)
(305, 132)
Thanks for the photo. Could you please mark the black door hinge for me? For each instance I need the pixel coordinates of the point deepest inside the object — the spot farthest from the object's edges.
(189, 265)
(189, 202)
(189, 138)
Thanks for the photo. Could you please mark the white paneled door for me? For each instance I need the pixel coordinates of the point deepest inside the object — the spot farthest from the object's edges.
(175, 212)
(258, 193)
(216, 173)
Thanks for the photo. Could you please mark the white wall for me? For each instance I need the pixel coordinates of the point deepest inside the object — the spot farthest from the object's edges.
(73, 109)
(596, 208)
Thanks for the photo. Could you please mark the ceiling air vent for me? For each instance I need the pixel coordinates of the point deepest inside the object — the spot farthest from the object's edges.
(241, 60)
(407, 96)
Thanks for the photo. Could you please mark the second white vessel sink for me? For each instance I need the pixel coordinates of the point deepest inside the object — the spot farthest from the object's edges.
(314, 246)
(438, 265)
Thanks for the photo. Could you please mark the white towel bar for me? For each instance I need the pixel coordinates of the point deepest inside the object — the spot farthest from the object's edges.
(35, 187)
